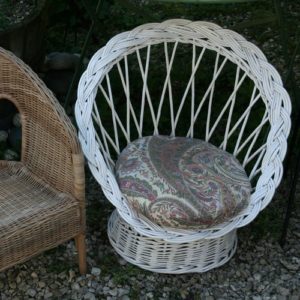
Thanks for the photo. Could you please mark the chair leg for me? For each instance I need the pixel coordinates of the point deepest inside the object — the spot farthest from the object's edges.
(80, 245)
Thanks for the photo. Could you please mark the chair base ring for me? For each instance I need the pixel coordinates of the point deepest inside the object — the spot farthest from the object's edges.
(159, 256)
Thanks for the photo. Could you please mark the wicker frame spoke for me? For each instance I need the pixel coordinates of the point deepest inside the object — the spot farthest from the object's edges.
(261, 149)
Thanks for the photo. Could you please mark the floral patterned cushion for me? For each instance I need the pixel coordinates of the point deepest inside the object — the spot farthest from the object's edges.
(182, 183)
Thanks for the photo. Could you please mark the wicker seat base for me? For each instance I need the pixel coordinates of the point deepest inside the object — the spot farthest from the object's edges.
(160, 256)
(34, 217)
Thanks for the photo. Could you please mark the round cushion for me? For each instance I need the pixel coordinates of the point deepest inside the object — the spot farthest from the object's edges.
(182, 183)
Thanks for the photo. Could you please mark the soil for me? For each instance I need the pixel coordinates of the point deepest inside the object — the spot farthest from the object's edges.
(15, 11)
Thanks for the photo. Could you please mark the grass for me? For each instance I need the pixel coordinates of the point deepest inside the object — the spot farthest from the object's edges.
(121, 275)
(268, 222)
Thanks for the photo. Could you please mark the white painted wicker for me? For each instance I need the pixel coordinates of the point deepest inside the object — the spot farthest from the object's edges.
(160, 256)
(101, 143)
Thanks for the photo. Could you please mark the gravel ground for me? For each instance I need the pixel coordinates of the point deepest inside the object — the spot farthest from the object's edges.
(260, 269)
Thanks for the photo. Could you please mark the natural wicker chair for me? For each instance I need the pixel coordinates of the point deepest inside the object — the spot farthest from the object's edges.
(231, 96)
(42, 195)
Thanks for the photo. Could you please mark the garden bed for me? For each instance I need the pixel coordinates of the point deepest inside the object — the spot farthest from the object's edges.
(13, 12)
(22, 29)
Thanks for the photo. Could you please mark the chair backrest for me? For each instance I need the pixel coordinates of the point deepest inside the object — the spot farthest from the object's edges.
(48, 137)
(183, 78)
(191, 79)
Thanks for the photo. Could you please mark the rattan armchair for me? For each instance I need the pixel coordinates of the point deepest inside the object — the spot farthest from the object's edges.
(42, 195)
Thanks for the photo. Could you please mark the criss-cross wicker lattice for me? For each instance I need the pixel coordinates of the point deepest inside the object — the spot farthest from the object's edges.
(183, 78)
(229, 46)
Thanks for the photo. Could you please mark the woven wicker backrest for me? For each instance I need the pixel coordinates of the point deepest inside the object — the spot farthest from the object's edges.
(212, 85)
(230, 96)
(47, 135)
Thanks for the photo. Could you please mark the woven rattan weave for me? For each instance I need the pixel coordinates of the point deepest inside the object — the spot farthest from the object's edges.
(42, 195)
(231, 97)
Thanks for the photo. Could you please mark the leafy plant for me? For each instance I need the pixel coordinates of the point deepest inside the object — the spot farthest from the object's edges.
(208, 1)
(3, 20)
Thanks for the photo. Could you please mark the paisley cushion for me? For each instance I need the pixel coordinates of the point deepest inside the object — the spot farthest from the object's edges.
(182, 183)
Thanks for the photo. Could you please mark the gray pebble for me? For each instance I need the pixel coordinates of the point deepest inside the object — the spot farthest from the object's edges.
(283, 291)
(96, 271)
(31, 292)
(89, 296)
(113, 292)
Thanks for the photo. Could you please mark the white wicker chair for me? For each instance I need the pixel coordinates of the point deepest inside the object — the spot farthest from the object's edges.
(105, 127)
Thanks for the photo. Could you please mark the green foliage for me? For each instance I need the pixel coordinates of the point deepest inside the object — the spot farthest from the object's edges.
(268, 222)
(97, 214)
(3, 147)
(3, 20)
(5, 8)
(70, 21)
(59, 263)
(121, 275)
(261, 17)
(208, 1)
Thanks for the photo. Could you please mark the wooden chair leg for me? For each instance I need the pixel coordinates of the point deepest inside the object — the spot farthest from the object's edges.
(80, 245)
